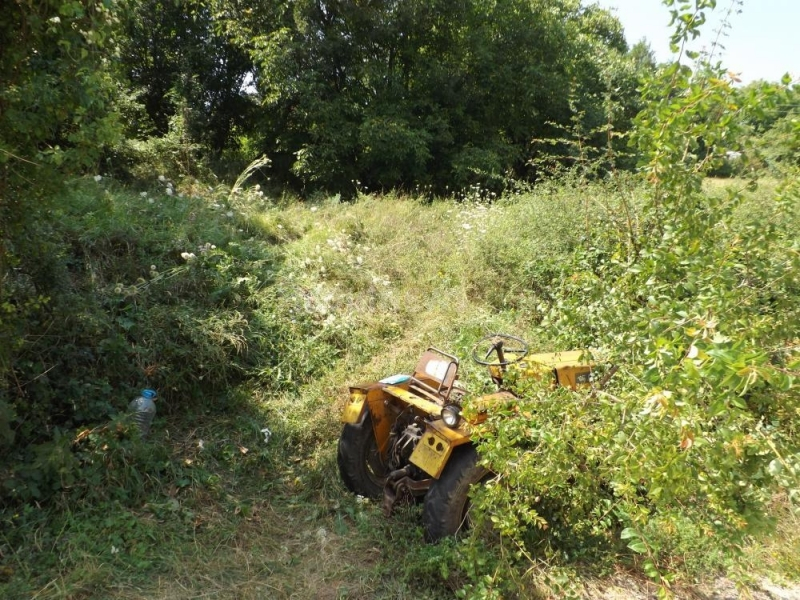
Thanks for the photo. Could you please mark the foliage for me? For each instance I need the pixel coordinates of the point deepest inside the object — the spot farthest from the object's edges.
(156, 289)
(174, 59)
(697, 303)
(55, 116)
(428, 93)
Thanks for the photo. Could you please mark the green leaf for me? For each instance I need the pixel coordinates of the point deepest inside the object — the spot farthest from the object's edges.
(638, 546)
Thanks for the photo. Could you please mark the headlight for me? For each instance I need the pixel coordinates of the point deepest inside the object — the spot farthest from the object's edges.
(451, 414)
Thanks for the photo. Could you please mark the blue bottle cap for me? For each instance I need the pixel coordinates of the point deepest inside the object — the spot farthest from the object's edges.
(149, 394)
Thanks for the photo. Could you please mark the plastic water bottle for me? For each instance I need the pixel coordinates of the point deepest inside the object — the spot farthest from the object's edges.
(143, 409)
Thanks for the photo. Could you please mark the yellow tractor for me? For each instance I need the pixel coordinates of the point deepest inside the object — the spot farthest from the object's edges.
(405, 436)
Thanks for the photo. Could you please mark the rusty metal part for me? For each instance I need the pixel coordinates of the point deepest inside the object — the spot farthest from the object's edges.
(398, 484)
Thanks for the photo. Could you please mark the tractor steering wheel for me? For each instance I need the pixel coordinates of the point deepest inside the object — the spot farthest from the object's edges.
(497, 344)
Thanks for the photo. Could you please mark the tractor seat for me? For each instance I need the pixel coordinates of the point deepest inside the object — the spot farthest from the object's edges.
(435, 375)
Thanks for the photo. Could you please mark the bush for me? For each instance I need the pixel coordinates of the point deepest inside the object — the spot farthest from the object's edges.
(696, 302)
(157, 289)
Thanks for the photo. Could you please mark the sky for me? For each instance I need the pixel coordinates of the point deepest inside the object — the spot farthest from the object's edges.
(762, 43)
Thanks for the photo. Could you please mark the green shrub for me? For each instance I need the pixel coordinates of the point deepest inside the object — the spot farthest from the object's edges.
(696, 302)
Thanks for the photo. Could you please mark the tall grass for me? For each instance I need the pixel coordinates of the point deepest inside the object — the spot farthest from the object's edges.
(265, 330)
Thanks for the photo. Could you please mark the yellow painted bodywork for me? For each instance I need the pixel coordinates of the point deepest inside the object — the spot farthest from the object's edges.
(423, 404)
(568, 369)
(479, 408)
(437, 443)
(385, 402)
(354, 407)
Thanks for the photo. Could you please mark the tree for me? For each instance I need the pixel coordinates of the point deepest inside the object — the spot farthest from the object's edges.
(445, 94)
(175, 59)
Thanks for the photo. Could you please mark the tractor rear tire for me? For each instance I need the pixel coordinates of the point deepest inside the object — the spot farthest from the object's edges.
(361, 467)
(447, 501)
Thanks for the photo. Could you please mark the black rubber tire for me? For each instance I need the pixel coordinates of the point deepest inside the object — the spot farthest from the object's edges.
(447, 501)
(360, 466)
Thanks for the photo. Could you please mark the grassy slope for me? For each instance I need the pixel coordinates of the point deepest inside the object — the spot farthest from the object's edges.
(240, 518)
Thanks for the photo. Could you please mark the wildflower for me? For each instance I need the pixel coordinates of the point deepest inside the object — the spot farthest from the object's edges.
(56, 21)
(322, 535)
(314, 209)
(118, 290)
(143, 194)
(97, 178)
(151, 201)
(466, 226)
(114, 550)
(229, 214)
(161, 178)
(152, 267)
(169, 191)
(187, 256)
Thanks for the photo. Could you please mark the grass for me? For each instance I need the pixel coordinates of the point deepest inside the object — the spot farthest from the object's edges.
(226, 514)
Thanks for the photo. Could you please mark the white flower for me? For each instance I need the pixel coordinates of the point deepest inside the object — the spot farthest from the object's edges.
(466, 226)
(161, 178)
(187, 256)
(169, 191)
(97, 178)
(151, 201)
(314, 209)
(152, 267)
(229, 214)
(114, 550)
(267, 434)
(143, 194)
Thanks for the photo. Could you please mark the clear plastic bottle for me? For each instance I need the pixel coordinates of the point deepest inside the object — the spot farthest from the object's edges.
(143, 409)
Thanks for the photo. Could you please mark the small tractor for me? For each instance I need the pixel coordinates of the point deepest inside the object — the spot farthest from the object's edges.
(405, 436)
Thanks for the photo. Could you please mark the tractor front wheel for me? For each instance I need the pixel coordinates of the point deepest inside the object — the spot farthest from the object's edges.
(447, 501)
(361, 467)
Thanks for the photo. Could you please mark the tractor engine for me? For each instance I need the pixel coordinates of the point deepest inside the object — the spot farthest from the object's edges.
(403, 439)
